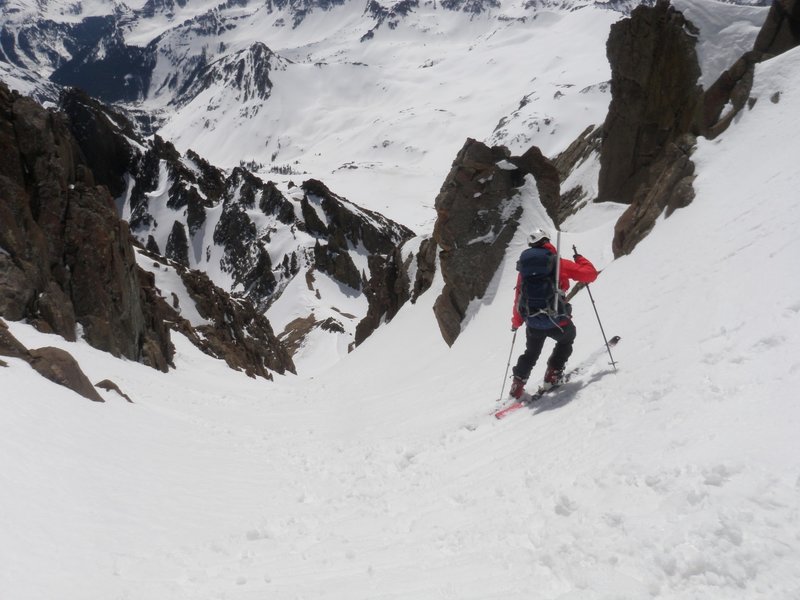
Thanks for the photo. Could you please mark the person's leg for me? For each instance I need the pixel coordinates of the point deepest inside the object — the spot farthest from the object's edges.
(564, 338)
(533, 348)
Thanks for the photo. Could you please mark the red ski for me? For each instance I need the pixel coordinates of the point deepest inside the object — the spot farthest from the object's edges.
(526, 401)
(509, 409)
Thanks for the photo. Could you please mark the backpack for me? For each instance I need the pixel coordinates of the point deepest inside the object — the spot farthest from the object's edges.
(538, 291)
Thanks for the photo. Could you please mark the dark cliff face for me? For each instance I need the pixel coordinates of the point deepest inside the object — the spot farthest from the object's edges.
(101, 135)
(478, 211)
(646, 145)
(657, 109)
(781, 31)
(654, 73)
(66, 258)
(68, 264)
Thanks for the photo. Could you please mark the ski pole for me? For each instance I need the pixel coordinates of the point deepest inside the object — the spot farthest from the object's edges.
(510, 354)
(557, 295)
(594, 306)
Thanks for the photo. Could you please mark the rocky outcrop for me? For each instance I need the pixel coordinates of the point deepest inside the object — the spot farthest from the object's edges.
(474, 7)
(11, 346)
(347, 229)
(727, 96)
(426, 268)
(192, 187)
(389, 15)
(644, 158)
(334, 260)
(232, 330)
(92, 279)
(110, 386)
(178, 245)
(654, 73)
(478, 211)
(585, 149)
(668, 188)
(723, 100)
(236, 332)
(296, 331)
(300, 9)
(781, 30)
(546, 175)
(245, 255)
(348, 222)
(657, 108)
(66, 259)
(387, 290)
(52, 363)
(208, 219)
(60, 367)
(102, 136)
(650, 128)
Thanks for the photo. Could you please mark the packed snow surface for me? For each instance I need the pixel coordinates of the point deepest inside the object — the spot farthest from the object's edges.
(386, 477)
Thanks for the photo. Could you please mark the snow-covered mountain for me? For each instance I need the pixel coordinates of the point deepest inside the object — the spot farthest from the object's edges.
(676, 477)
(382, 474)
(287, 85)
(372, 101)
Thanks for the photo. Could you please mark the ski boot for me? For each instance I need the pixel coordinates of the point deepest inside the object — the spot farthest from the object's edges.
(517, 387)
(553, 377)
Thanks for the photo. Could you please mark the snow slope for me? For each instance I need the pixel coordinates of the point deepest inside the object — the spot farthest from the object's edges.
(724, 30)
(386, 478)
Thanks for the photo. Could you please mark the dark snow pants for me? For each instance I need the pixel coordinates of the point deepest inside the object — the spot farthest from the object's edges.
(563, 336)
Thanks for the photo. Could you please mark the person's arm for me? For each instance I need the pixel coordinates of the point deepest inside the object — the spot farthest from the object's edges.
(580, 270)
(516, 319)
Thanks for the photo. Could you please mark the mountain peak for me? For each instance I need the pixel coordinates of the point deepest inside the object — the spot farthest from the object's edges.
(242, 76)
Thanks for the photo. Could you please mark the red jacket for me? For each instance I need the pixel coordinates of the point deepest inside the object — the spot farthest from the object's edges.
(581, 270)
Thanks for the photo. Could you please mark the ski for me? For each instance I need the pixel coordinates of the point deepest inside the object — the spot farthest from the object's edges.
(529, 399)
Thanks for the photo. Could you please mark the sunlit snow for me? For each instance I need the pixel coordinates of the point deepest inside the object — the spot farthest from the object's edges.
(385, 476)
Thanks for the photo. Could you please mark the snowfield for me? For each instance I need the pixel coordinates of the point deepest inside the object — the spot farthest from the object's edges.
(385, 477)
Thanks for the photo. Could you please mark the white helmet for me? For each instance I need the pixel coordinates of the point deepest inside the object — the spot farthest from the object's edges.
(537, 235)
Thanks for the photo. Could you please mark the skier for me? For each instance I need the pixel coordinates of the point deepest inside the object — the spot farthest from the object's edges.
(534, 306)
